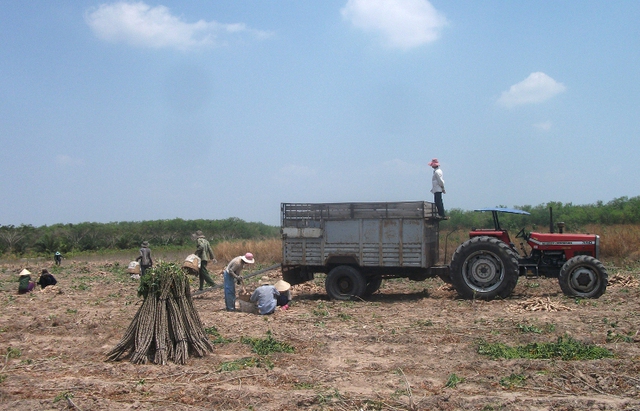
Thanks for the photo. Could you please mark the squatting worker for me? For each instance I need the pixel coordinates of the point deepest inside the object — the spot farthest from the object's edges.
(437, 183)
(284, 288)
(205, 253)
(233, 274)
(266, 296)
(26, 285)
(46, 279)
(144, 258)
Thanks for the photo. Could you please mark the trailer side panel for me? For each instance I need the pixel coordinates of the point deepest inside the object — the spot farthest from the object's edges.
(370, 235)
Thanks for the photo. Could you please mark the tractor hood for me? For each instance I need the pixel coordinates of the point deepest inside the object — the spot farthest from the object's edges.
(588, 244)
(562, 239)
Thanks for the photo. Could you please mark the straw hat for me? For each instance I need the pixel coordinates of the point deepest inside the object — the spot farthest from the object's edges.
(145, 244)
(434, 163)
(265, 281)
(248, 258)
(25, 272)
(282, 286)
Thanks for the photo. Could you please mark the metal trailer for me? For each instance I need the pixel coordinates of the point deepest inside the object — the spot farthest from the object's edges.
(359, 244)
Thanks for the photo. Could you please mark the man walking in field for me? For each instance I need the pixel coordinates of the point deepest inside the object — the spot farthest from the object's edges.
(205, 253)
(144, 258)
(57, 257)
(437, 183)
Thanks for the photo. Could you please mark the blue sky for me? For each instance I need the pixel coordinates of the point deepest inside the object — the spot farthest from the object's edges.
(130, 111)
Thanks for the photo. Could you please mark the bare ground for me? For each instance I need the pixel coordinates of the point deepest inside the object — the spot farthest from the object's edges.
(396, 351)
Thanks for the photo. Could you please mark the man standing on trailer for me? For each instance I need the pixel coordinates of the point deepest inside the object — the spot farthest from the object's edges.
(437, 188)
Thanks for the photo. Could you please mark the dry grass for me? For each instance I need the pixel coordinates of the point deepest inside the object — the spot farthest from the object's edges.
(264, 251)
(618, 243)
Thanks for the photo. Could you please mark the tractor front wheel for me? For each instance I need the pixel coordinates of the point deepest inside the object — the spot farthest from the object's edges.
(583, 276)
(344, 282)
(484, 268)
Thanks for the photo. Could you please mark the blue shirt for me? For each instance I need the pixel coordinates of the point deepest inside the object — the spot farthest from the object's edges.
(265, 295)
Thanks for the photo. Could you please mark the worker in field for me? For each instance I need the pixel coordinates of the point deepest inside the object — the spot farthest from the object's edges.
(144, 258)
(204, 251)
(232, 275)
(284, 298)
(26, 285)
(57, 257)
(46, 279)
(437, 183)
(266, 296)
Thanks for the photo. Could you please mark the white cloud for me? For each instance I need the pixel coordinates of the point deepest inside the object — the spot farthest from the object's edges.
(141, 25)
(402, 23)
(536, 88)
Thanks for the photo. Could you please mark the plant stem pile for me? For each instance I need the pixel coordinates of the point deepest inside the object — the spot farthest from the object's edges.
(167, 326)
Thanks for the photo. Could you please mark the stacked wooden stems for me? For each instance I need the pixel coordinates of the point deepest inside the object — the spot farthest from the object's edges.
(167, 326)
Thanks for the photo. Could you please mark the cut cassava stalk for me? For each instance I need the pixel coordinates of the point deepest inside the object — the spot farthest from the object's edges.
(167, 326)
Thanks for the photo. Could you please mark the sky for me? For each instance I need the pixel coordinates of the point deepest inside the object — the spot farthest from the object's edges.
(149, 110)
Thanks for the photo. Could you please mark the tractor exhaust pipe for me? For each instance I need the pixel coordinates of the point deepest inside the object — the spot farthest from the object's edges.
(551, 220)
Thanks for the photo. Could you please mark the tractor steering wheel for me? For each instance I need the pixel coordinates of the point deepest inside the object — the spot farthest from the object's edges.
(522, 234)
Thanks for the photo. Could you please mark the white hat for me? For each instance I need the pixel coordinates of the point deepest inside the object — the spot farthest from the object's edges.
(25, 272)
(265, 281)
(282, 286)
(248, 258)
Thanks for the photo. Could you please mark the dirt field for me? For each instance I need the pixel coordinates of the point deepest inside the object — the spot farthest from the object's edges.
(412, 346)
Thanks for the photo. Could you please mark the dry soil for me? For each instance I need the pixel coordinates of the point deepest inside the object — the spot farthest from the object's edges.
(411, 346)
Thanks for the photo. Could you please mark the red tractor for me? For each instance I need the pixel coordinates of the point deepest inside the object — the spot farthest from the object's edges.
(488, 265)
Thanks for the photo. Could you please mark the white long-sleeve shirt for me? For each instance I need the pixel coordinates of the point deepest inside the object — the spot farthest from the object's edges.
(437, 181)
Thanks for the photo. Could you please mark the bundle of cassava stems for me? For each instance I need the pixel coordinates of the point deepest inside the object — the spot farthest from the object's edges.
(167, 326)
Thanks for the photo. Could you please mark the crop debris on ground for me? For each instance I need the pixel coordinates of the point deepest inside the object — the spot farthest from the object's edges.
(410, 346)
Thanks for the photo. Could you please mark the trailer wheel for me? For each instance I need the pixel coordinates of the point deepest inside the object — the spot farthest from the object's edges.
(583, 276)
(344, 282)
(373, 285)
(484, 268)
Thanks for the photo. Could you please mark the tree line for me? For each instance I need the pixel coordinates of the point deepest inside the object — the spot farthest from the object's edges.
(623, 210)
(178, 232)
(88, 236)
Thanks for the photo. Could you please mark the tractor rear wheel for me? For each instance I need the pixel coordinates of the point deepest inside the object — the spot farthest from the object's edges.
(583, 276)
(344, 282)
(484, 268)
